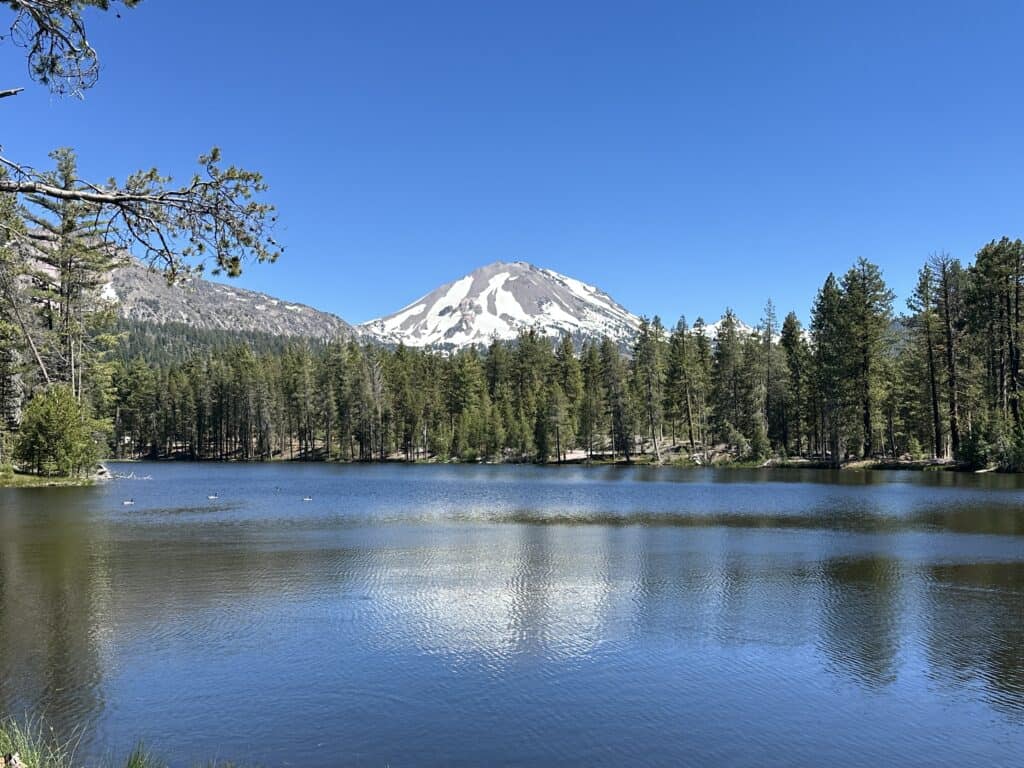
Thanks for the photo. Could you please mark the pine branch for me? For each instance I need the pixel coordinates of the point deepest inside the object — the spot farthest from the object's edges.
(215, 215)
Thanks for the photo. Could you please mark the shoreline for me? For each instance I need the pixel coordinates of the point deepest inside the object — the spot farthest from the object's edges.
(859, 465)
(21, 480)
(11, 478)
(14, 479)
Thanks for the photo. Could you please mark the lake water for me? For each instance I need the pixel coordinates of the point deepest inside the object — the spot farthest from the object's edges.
(464, 615)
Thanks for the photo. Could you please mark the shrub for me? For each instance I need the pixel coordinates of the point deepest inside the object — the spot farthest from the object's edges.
(57, 435)
(736, 440)
(1011, 454)
(760, 448)
(914, 448)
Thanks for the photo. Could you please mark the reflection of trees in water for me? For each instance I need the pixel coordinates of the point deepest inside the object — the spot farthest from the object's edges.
(975, 630)
(1005, 519)
(653, 575)
(860, 633)
(71, 585)
(54, 600)
(765, 598)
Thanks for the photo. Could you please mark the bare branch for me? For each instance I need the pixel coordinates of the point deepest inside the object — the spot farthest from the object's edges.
(10, 92)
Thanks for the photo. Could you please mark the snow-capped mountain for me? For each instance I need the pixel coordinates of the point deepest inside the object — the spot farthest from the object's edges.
(499, 301)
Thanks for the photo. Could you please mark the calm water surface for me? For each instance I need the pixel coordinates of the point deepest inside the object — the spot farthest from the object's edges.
(517, 615)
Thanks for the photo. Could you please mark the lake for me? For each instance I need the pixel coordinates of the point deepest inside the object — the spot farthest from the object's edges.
(516, 615)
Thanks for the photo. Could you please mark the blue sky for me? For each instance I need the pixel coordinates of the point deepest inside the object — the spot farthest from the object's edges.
(683, 156)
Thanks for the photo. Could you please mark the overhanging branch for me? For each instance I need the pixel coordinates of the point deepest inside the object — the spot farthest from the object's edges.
(217, 215)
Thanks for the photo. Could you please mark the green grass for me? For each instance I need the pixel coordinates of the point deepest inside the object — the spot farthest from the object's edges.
(17, 480)
(11, 479)
(35, 745)
(142, 758)
(38, 747)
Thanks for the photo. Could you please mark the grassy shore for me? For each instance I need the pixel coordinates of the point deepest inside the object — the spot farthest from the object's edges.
(17, 480)
(35, 746)
(11, 479)
(38, 747)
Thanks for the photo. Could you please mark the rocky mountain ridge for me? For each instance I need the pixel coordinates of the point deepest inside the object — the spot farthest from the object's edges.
(143, 295)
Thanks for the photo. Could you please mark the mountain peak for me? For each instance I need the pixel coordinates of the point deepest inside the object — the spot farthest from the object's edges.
(500, 300)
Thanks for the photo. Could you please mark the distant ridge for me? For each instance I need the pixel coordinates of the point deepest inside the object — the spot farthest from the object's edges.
(143, 295)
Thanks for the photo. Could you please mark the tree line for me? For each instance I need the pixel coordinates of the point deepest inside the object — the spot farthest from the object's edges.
(941, 380)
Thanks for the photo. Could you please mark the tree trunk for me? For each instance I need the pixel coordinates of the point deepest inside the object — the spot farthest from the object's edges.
(689, 418)
(951, 372)
(939, 449)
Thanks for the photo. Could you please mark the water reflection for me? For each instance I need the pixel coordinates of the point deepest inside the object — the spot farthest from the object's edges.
(975, 633)
(860, 630)
(54, 603)
(430, 610)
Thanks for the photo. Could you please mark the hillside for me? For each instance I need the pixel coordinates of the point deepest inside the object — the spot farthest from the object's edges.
(143, 295)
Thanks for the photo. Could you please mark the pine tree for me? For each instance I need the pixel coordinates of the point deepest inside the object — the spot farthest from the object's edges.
(616, 398)
(727, 377)
(702, 382)
(647, 373)
(866, 317)
(569, 378)
(12, 386)
(57, 436)
(592, 402)
(768, 331)
(949, 299)
(797, 366)
(680, 381)
(828, 334)
(924, 323)
(72, 262)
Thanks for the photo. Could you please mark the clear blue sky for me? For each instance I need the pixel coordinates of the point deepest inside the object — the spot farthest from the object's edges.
(684, 156)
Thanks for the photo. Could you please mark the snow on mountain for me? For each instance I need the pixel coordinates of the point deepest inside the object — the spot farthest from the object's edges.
(711, 329)
(499, 301)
